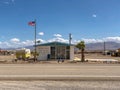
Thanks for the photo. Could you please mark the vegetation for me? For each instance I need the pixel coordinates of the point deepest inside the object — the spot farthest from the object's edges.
(81, 46)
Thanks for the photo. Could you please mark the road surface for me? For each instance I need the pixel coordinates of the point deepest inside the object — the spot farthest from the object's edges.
(60, 71)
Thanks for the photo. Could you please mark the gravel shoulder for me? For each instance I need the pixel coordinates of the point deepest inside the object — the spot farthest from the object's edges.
(59, 85)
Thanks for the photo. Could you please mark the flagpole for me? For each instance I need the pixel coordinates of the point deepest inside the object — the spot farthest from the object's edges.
(35, 42)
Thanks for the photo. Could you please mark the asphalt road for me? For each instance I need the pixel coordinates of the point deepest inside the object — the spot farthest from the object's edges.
(59, 71)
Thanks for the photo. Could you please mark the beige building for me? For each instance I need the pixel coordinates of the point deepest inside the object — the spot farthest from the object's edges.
(55, 50)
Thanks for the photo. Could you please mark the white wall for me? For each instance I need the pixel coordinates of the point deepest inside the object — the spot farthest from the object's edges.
(71, 52)
(43, 51)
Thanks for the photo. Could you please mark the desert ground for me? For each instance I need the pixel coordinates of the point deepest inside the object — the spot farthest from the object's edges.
(97, 56)
(10, 58)
(59, 85)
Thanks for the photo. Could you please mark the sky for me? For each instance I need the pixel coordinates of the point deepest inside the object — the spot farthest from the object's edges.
(89, 20)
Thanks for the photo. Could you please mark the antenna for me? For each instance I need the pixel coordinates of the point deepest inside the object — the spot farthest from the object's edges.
(70, 38)
(104, 47)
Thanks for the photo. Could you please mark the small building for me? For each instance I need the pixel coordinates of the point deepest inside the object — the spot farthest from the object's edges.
(116, 53)
(53, 50)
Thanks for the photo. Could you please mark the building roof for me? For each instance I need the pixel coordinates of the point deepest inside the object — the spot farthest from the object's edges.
(55, 44)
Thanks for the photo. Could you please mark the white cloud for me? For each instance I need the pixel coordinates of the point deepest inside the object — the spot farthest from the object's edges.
(9, 2)
(94, 15)
(41, 33)
(57, 35)
(58, 39)
(112, 39)
(27, 43)
(92, 40)
(41, 40)
(107, 39)
(15, 40)
(5, 45)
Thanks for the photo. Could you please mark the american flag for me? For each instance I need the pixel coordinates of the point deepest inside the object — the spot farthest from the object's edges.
(32, 23)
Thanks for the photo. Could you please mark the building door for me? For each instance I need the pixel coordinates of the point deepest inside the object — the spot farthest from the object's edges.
(52, 56)
(68, 52)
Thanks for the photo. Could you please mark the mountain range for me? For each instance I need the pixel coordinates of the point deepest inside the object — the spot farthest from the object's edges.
(89, 46)
(100, 46)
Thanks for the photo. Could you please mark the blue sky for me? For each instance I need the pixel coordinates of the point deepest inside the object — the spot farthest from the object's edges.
(88, 20)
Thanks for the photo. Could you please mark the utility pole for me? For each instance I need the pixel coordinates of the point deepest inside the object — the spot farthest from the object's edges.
(33, 23)
(104, 48)
(70, 38)
(35, 42)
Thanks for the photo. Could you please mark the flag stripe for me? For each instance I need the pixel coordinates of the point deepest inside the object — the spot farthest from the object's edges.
(32, 23)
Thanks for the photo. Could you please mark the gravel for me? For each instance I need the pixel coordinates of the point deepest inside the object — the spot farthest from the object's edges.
(59, 85)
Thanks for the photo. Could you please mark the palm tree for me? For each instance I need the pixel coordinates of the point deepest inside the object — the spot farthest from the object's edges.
(81, 45)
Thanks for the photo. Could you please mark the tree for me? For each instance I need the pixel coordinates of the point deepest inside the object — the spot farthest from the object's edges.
(81, 46)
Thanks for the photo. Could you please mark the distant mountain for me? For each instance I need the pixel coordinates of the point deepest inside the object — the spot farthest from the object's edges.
(100, 46)
(90, 46)
(28, 47)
